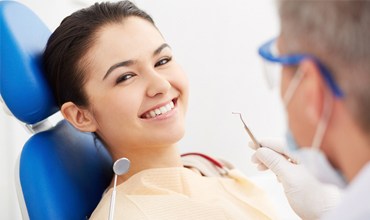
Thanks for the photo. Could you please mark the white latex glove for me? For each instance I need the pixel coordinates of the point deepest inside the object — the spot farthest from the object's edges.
(308, 197)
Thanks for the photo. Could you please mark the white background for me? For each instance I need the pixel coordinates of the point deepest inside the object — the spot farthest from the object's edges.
(216, 43)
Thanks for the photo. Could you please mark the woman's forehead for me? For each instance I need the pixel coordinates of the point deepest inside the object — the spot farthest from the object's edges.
(129, 32)
(131, 39)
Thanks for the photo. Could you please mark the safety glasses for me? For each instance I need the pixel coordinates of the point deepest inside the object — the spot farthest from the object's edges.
(273, 63)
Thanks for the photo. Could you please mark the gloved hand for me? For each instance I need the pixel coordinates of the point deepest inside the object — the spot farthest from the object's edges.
(308, 197)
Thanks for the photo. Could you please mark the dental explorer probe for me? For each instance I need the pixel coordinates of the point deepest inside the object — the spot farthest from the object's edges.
(120, 167)
(256, 143)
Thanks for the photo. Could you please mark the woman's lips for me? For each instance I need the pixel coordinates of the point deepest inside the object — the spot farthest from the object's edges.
(163, 109)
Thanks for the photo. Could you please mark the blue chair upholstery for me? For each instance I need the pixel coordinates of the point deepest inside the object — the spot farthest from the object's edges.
(23, 37)
(62, 172)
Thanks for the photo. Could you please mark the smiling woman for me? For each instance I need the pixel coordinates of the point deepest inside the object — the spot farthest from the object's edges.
(113, 74)
(127, 77)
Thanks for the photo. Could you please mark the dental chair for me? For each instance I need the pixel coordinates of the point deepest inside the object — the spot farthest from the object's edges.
(62, 172)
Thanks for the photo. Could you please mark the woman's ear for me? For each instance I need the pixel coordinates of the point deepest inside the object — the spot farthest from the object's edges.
(79, 117)
(315, 90)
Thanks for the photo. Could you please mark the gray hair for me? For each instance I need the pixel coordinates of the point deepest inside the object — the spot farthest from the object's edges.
(337, 32)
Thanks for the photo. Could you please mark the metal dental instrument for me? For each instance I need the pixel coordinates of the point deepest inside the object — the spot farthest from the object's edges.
(120, 167)
(256, 143)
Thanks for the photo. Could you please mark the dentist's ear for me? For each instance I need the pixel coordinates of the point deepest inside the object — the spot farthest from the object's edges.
(80, 118)
(315, 90)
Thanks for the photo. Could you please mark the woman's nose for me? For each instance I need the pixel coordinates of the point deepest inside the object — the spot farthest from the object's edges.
(158, 84)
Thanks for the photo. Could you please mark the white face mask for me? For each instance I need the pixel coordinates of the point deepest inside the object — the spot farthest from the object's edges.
(312, 157)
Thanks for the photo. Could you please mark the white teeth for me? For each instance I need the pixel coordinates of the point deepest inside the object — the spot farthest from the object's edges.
(168, 107)
(161, 110)
(152, 114)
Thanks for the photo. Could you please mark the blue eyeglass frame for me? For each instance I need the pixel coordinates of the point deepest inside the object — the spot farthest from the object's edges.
(265, 52)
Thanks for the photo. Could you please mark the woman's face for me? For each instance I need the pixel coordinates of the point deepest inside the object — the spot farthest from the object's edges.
(137, 93)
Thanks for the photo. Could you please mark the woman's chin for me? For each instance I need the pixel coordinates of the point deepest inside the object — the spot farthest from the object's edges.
(169, 137)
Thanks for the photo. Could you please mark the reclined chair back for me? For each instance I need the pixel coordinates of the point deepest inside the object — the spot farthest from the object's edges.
(62, 172)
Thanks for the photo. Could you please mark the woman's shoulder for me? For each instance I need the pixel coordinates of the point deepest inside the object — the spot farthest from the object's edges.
(124, 208)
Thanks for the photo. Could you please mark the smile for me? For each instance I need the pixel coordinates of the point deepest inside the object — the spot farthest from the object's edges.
(159, 110)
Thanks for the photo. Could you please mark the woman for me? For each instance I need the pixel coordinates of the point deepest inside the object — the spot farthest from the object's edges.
(113, 74)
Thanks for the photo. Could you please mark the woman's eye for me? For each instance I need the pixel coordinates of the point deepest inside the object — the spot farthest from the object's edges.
(124, 77)
(163, 61)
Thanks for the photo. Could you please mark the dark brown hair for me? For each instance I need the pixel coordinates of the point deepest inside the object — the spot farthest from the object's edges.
(69, 43)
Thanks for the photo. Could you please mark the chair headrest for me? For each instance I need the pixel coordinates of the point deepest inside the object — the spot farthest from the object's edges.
(22, 84)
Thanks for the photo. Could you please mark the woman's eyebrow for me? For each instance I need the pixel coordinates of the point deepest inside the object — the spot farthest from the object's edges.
(120, 64)
(160, 48)
(130, 62)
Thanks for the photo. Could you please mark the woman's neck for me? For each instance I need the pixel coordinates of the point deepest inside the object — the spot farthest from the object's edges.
(144, 158)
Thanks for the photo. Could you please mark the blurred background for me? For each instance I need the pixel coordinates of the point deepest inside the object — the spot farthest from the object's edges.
(216, 42)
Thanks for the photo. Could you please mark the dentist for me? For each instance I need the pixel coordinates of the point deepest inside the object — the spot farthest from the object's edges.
(323, 50)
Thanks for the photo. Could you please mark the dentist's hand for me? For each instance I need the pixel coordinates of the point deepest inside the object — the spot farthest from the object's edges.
(309, 198)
